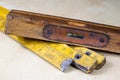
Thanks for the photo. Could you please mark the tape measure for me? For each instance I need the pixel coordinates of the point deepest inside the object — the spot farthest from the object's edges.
(57, 54)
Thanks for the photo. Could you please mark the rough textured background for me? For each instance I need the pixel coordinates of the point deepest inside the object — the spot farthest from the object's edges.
(18, 63)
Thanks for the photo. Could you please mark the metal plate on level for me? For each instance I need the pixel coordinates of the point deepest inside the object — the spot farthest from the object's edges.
(76, 36)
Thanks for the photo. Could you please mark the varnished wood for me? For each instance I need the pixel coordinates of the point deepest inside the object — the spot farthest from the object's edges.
(31, 25)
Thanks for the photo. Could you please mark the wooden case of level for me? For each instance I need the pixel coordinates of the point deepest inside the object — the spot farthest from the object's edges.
(63, 30)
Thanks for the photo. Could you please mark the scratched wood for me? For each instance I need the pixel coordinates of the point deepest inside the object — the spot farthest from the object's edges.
(32, 25)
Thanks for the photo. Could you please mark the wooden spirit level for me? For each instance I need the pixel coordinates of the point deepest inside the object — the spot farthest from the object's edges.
(63, 30)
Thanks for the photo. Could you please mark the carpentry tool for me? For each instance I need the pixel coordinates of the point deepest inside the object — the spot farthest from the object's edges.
(60, 55)
(63, 30)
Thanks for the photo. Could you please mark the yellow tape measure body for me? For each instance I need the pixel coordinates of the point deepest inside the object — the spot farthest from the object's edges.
(59, 55)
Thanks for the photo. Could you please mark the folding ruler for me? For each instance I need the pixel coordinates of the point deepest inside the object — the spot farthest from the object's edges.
(57, 54)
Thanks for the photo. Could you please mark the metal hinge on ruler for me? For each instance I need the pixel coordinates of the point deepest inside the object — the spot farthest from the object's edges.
(59, 55)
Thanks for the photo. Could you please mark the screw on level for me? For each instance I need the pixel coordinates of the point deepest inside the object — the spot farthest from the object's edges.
(49, 32)
(101, 40)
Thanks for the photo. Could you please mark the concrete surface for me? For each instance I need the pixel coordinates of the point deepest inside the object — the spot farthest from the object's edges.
(18, 63)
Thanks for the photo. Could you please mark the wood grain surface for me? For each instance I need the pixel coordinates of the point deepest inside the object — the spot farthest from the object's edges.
(31, 25)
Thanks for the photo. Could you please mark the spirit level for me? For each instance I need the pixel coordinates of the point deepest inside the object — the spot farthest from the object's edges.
(64, 30)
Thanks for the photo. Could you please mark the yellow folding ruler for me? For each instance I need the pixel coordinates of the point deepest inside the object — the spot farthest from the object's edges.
(59, 55)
